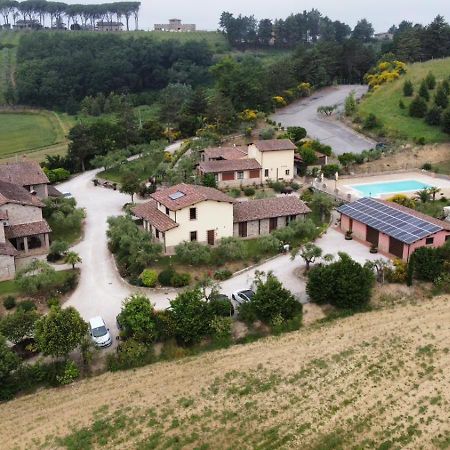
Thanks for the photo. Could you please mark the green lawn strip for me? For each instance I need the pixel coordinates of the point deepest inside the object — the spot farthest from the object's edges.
(434, 209)
(10, 287)
(384, 103)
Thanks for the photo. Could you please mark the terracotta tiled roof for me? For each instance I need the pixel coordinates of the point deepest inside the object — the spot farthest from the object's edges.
(269, 207)
(227, 166)
(24, 173)
(7, 249)
(150, 212)
(273, 145)
(441, 223)
(225, 153)
(53, 192)
(13, 193)
(27, 229)
(184, 195)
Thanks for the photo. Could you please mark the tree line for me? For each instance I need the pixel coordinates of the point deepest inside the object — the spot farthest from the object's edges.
(415, 42)
(39, 10)
(302, 28)
(57, 70)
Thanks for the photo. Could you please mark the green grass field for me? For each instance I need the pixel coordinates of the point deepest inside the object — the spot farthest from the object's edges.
(384, 103)
(8, 48)
(30, 131)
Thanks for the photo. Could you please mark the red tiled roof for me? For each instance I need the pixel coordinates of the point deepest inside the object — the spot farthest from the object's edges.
(23, 173)
(7, 249)
(14, 193)
(189, 194)
(149, 211)
(225, 153)
(53, 192)
(273, 145)
(441, 223)
(227, 166)
(27, 229)
(269, 207)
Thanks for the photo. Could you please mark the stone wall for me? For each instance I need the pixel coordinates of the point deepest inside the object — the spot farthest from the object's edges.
(7, 267)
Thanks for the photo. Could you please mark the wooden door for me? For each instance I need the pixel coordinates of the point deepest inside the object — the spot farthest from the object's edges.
(211, 237)
(273, 224)
(243, 229)
(396, 247)
(372, 235)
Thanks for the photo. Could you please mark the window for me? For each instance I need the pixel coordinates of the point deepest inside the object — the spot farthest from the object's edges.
(240, 175)
(227, 176)
(193, 236)
(447, 238)
(254, 173)
(287, 172)
(429, 241)
(193, 213)
(167, 211)
(266, 172)
(157, 234)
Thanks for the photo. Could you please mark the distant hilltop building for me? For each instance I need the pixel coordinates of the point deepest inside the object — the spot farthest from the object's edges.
(384, 36)
(175, 25)
(109, 26)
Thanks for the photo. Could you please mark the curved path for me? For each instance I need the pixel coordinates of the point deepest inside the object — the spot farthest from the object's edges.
(328, 131)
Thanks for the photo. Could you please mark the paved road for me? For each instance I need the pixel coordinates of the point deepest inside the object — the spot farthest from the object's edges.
(329, 131)
(101, 290)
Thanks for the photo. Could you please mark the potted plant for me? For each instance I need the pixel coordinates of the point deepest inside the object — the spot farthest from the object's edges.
(374, 249)
(349, 235)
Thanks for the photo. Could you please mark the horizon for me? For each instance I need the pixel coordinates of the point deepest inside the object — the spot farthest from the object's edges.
(206, 16)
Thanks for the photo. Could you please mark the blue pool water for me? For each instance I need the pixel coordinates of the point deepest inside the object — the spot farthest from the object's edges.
(391, 187)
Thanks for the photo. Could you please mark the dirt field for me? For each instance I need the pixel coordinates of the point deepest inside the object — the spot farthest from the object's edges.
(410, 157)
(374, 380)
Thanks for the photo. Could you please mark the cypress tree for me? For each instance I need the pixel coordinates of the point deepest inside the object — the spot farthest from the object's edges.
(441, 98)
(423, 91)
(418, 107)
(433, 116)
(408, 88)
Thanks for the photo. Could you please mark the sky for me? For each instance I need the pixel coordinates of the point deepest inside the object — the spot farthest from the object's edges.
(382, 13)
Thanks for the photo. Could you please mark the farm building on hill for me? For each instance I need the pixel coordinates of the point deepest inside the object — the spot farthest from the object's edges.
(175, 25)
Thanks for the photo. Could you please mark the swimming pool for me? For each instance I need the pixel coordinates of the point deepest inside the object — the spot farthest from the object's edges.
(389, 187)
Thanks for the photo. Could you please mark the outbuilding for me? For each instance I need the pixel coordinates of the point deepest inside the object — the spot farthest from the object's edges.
(392, 228)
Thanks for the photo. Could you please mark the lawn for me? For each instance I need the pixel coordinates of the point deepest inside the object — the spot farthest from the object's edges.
(30, 131)
(8, 47)
(10, 287)
(384, 103)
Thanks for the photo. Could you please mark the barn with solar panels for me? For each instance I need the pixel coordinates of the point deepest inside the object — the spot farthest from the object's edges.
(392, 228)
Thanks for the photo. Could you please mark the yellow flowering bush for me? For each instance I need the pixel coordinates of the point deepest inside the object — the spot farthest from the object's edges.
(248, 115)
(279, 101)
(304, 89)
(385, 72)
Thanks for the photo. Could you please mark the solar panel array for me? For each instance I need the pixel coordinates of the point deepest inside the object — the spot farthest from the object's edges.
(176, 195)
(402, 226)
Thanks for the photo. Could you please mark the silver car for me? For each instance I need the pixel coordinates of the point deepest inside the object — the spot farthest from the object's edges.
(99, 333)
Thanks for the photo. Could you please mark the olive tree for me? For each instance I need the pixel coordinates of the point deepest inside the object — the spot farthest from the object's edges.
(60, 332)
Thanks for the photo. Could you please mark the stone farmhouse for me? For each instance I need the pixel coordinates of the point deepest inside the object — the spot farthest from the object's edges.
(27, 174)
(197, 213)
(24, 234)
(175, 25)
(257, 163)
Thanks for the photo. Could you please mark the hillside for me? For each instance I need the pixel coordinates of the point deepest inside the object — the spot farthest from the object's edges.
(8, 48)
(384, 103)
(375, 380)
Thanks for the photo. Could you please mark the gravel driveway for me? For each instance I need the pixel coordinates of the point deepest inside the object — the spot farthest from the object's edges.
(329, 131)
(101, 290)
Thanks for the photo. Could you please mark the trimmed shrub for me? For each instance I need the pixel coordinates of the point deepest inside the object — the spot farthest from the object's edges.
(26, 305)
(130, 354)
(9, 302)
(249, 191)
(268, 245)
(69, 375)
(222, 275)
(371, 122)
(267, 133)
(408, 88)
(165, 277)
(433, 116)
(180, 280)
(229, 249)
(149, 278)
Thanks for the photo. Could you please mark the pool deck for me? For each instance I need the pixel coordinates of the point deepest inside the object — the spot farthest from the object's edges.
(344, 184)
